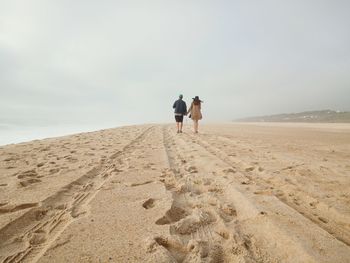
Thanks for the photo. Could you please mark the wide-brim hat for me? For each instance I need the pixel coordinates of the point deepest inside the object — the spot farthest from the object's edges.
(197, 98)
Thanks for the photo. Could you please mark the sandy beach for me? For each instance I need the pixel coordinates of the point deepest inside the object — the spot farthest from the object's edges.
(232, 193)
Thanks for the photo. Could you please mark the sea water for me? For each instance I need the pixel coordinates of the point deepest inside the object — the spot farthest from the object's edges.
(16, 134)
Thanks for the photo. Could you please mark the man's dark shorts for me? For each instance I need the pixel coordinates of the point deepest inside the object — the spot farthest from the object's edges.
(179, 118)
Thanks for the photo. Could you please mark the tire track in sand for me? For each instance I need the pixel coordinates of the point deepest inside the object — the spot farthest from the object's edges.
(27, 238)
(266, 229)
(201, 222)
(338, 232)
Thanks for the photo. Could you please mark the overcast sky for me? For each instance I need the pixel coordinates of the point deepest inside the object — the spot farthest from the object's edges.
(120, 62)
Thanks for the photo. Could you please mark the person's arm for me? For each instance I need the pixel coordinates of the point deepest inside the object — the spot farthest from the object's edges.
(189, 110)
(174, 105)
(185, 108)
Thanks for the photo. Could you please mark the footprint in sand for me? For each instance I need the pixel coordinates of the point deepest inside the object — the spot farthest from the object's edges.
(148, 166)
(39, 237)
(296, 201)
(323, 220)
(40, 164)
(138, 184)
(215, 189)
(192, 169)
(281, 196)
(207, 181)
(149, 203)
(28, 182)
(163, 249)
(229, 170)
(222, 233)
(54, 170)
(227, 212)
(192, 223)
(174, 214)
(264, 191)
(44, 149)
(313, 204)
(170, 250)
(28, 173)
(13, 158)
(249, 169)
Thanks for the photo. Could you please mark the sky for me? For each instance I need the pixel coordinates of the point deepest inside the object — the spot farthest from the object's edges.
(108, 63)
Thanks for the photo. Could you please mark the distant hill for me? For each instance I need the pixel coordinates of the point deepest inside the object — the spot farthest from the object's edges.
(307, 116)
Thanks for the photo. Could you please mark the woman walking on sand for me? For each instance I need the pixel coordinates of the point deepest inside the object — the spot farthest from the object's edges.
(195, 112)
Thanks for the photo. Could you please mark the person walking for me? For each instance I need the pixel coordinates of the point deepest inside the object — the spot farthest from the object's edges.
(195, 112)
(180, 110)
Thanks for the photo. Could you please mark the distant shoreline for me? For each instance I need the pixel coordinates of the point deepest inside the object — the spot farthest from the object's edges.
(322, 116)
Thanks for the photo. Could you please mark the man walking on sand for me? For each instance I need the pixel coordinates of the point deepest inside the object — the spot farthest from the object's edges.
(180, 110)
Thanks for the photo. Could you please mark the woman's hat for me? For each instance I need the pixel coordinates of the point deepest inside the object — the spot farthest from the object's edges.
(196, 98)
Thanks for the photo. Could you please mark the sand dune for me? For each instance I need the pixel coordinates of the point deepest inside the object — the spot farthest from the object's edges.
(233, 193)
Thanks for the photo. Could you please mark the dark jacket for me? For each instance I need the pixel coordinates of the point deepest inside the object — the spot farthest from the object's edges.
(180, 107)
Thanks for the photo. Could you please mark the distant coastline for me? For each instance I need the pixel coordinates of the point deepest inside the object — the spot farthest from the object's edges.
(322, 116)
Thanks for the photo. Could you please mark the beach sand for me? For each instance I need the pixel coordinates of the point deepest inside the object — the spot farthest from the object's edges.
(232, 193)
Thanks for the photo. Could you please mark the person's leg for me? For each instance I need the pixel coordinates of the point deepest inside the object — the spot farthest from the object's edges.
(178, 120)
(196, 126)
(181, 125)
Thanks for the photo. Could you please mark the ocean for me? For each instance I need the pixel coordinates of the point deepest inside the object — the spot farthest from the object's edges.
(10, 134)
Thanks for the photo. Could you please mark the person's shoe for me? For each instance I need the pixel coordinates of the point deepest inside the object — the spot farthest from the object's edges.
(180, 131)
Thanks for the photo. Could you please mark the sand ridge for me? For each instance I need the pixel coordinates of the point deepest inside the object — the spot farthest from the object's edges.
(234, 193)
